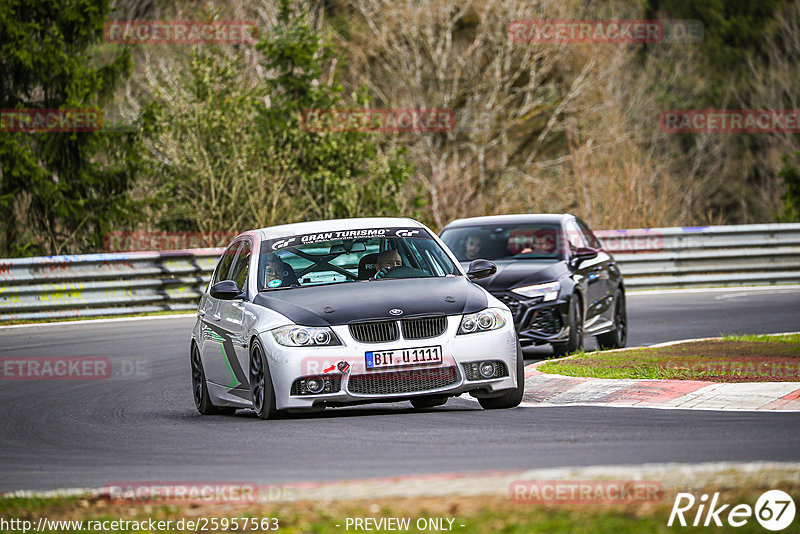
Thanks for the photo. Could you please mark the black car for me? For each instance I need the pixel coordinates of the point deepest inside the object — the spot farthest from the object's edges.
(552, 273)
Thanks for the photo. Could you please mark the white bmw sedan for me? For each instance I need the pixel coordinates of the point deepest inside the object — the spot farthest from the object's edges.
(305, 316)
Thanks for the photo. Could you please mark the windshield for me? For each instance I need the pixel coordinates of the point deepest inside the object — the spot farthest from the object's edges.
(345, 256)
(499, 242)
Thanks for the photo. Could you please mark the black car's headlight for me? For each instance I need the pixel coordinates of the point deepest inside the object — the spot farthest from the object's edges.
(483, 321)
(305, 336)
(548, 291)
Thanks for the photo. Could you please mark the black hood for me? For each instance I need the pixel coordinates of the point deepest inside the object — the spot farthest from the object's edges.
(351, 302)
(516, 273)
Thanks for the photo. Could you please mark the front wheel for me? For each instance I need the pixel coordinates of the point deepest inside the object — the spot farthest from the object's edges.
(617, 338)
(512, 397)
(261, 383)
(575, 341)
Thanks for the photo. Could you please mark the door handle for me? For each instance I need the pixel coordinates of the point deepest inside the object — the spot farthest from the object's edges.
(216, 317)
(201, 313)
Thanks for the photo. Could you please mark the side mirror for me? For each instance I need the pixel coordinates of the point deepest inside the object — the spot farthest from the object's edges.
(226, 290)
(582, 253)
(481, 269)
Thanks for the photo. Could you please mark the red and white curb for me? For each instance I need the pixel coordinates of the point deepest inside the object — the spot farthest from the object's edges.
(543, 389)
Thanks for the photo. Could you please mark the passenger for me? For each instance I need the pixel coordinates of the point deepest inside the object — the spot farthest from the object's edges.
(387, 260)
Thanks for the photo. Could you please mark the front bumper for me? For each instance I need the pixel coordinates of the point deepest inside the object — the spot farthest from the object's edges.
(537, 322)
(353, 383)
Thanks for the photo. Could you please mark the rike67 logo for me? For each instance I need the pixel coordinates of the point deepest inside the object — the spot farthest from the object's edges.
(774, 510)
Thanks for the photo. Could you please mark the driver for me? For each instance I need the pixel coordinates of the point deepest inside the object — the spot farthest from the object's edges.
(279, 273)
(387, 260)
(473, 246)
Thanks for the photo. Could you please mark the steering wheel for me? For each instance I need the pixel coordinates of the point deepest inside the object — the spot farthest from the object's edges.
(403, 271)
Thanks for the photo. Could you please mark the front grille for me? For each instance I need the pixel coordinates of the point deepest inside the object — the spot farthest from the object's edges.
(546, 321)
(472, 373)
(403, 381)
(512, 303)
(333, 383)
(424, 327)
(375, 332)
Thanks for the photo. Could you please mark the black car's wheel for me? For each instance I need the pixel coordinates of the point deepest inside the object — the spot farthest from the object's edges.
(512, 397)
(202, 401)
(575, 341)
(421, 403)
(261, 383)
(617, 338)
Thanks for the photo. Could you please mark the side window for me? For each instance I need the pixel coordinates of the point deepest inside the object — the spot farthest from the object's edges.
(224, 265)
(575, 236)
(241, 267)
(589, 235)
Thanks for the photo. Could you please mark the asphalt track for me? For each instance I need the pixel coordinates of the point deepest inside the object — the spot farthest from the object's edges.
(143, 427)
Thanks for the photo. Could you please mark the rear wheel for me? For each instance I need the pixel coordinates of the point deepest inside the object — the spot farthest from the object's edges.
(420, 403)
(617, 338)
(575, 341)
(512, 397)
(261, 383)
(202, 400)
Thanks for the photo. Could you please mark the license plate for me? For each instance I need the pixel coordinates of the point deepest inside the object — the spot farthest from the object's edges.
(399, 357)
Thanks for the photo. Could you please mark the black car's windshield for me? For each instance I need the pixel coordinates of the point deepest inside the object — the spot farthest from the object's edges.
(499, 242)
(345, 256)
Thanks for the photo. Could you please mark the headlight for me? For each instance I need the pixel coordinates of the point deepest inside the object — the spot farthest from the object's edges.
(482, 321)
(305, 336)
(549, 291)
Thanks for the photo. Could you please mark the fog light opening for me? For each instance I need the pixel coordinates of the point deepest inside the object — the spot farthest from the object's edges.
(486, 369)
(315, 384)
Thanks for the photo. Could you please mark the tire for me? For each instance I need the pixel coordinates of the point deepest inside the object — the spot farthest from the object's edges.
(512, 397)
(202, 400)
(575, 340)
(421, 403)
(617, 338)
(261, 384)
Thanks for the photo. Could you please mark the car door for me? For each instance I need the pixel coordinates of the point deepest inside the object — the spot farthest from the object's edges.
(234, 321)
(586, 272)
(601, 268)
(217, 349)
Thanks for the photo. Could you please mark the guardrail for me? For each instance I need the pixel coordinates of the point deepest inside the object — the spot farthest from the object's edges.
(139, 282)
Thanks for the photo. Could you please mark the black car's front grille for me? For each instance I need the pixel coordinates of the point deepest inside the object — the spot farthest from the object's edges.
(546, 321)
(424, 327)
(512, 303)
(403, 381)
(375, 332)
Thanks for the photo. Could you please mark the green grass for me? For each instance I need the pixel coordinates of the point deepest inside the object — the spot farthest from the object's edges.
(736, 358)
(764, 338)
